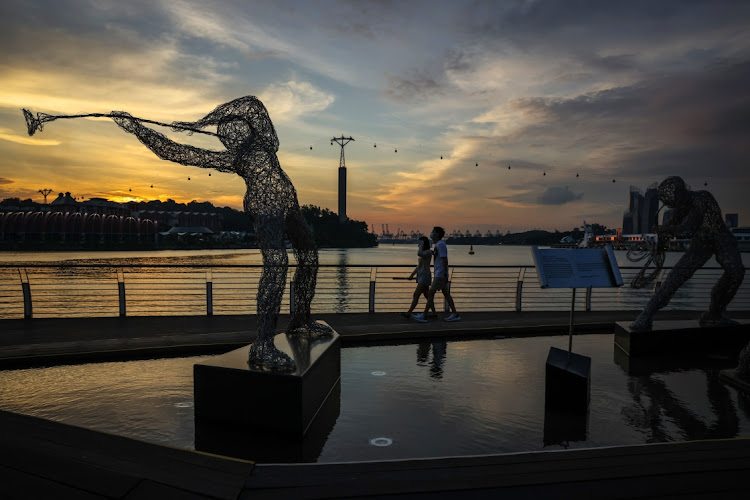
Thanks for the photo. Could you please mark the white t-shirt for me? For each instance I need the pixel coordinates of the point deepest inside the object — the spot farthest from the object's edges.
(442, 252)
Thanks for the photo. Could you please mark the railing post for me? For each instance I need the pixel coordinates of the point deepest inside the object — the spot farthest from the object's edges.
(291, 297)
(27, 310)
(588, 298)
(446, 307)
(121, 291)
(373, 276)
(519, 288)
(209, 294)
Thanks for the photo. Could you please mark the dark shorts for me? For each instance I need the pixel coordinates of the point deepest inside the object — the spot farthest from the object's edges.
(439, 284)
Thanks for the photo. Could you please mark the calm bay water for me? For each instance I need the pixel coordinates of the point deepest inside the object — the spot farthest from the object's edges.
(495, 255)
(344, 289)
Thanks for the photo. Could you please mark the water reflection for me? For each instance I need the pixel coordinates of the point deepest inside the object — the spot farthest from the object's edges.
(439, 351)
(663, 416)
(490, 400)
(342, 282)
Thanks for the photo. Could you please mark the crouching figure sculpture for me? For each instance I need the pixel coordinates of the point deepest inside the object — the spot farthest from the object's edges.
(696, 212)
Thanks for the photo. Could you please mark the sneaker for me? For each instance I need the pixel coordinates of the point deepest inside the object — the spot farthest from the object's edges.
(419, 317)
(453, 317)
(404, 315)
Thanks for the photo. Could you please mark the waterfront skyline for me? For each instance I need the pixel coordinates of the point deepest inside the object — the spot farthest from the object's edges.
(571, 95)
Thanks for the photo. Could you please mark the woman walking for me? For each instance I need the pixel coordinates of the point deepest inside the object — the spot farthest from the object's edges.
(424, 276)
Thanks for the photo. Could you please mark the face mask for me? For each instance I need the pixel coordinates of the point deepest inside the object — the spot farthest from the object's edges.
(432, 236)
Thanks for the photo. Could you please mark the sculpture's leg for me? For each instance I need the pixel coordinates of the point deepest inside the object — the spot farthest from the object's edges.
(682, 271)
(728, 256)
(263, 352)
(305, 277)
(743, 363)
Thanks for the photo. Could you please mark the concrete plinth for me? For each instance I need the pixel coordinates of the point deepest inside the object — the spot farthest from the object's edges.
(670, 337)
(242, 441)
(228, 391)
(567, 381)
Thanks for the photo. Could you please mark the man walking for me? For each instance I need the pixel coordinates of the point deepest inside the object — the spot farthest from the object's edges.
(440, 278)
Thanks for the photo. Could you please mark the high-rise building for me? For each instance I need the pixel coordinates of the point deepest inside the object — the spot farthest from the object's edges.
(649, 209)
(732, 220)
(627, 223)
(642, 209)
(632, 220)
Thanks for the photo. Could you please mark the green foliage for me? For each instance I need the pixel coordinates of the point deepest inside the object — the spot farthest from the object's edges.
(329, 233)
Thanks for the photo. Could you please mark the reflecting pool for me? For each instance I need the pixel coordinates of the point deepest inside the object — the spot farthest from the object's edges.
(428, 399)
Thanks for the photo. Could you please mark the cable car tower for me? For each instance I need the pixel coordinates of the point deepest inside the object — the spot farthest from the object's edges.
(342, 141)
(45, 192)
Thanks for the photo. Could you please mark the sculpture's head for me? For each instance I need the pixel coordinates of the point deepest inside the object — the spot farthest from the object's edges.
(242, 123)
(672, 191)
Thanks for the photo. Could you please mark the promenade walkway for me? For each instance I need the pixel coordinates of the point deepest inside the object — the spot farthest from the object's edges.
(47, 341)
(44, 459)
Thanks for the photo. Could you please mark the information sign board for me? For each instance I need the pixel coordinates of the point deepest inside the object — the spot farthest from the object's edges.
(577, 267)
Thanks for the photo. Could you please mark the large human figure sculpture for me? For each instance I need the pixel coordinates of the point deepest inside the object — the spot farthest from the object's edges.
(696, 212)
(245, 129)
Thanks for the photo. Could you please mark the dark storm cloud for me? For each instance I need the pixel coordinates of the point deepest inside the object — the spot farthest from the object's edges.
(674, 124)
(558, 196)
(534, 23)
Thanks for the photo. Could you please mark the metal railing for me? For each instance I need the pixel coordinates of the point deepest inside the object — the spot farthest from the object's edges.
(101, 290)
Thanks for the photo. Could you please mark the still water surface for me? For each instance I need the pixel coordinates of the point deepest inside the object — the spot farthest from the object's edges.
(427, 399)
(484, 255)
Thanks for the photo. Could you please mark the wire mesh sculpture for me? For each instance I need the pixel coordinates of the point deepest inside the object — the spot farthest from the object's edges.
(743, 364)
(246, 130)
(656, 253)
(698, 213)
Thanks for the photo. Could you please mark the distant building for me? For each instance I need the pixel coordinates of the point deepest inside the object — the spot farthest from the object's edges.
(732, 220)
(642, 209)
(649, 209)
(65, 203)
(212, 221)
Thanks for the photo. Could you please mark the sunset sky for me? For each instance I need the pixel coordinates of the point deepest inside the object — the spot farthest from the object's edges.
(570, 94)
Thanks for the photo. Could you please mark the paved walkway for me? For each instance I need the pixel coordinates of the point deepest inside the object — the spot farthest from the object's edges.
(45, 341)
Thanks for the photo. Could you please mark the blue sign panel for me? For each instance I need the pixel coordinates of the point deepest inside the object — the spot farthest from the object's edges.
(577, 267)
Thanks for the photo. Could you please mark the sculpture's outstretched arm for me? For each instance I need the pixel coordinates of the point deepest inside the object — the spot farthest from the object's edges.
(167, 149)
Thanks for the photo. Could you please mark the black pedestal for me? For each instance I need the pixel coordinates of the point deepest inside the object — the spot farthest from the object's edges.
(227, 391)
(567, 381)
(671, 337)
(242, 441)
